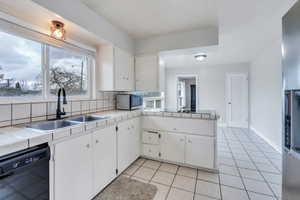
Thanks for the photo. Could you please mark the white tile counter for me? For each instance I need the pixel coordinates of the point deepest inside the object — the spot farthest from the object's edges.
(15, 138)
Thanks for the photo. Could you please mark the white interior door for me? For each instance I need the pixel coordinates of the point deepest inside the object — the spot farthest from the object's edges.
(237, 100)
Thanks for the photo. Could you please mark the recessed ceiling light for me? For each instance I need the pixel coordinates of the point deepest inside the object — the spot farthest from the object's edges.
(200, 57)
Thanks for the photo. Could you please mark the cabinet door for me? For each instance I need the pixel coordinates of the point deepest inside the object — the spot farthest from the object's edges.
(135, 138)
(200, 151)
(124, 145)
(73, 169)
(105, 157)
(172, 147)
(146, 73)
(124, 70)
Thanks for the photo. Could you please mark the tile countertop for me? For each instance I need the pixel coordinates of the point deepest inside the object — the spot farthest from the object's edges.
(199, 114)
(16, 138)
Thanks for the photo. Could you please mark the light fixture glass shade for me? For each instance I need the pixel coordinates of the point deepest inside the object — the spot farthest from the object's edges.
(200, 57)
(57, 30)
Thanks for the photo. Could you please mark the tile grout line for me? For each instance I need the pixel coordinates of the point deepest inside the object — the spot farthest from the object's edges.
(155, 172)
(237, 167)
(261, 173)
(258, 170)
(172, 182)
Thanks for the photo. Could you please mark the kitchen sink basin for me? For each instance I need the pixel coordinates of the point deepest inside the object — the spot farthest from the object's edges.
(87, 118)
(51, 125)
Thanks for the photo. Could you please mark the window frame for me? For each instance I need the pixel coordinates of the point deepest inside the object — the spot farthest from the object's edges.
(45, 66)
(70, 97)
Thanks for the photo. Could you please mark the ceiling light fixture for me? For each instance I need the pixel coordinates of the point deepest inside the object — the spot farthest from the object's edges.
(200, 57)
(57, 30)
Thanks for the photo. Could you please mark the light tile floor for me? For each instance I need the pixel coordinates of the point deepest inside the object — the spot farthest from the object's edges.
(250, 169)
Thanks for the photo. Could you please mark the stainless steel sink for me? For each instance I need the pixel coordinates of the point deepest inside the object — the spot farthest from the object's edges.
(51, 125)
(86, 118)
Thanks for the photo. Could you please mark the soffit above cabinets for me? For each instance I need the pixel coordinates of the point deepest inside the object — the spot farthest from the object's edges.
(144, 18)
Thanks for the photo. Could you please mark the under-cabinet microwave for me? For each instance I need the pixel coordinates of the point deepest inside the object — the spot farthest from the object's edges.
(129, 102)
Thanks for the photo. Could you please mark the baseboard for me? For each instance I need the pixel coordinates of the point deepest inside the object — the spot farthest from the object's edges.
(278, 149)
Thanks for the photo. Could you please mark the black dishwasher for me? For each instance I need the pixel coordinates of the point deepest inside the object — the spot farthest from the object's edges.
(24, 175)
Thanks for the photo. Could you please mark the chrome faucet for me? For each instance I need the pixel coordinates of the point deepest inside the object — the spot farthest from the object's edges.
(59, 113)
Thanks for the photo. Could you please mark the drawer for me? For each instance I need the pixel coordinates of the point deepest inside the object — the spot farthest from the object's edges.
(151, 150)
(151, 137)
(181, 125)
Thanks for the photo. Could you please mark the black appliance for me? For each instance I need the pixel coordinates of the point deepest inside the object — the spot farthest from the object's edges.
(129, 102)
(24, 175)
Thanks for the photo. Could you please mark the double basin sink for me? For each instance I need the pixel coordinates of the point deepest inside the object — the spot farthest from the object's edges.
(55, 124)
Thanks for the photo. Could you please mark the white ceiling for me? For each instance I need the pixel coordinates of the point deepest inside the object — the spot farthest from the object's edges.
(40, 19)
(146, 18)
(245, 28)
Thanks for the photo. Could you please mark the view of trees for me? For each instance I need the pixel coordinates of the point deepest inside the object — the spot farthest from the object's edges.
(72, 81)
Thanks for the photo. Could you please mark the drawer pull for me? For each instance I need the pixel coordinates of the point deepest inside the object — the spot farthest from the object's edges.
(152, 132)
(88, 146)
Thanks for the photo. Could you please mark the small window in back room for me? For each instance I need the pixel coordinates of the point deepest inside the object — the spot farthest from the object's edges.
(68, 70)
(20, 66)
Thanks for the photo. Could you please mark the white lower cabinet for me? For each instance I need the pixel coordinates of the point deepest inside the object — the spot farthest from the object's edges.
(173, 147)
(104, 157)
(135, 139)
(84, 165)
(73, 175)
(199, 151)
(152, 151)
(123, 135)
(128, 137)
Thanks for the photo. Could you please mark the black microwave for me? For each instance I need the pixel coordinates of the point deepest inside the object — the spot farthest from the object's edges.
(129, 102)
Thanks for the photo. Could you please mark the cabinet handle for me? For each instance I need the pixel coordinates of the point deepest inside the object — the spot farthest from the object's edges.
(152, 132)
(181, 140)
(97, 141)
(190, 141)
(88, 146)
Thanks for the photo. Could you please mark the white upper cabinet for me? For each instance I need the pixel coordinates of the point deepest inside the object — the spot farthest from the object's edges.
(146, 73)
(115, 69)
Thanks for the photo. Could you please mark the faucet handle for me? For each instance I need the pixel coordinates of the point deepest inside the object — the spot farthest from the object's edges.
(63, 111)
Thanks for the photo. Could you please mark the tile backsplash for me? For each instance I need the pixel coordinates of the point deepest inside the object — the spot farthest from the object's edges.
(19, 113)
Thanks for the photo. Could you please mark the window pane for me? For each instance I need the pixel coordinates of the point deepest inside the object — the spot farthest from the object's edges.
(20, 66)
(67, 70)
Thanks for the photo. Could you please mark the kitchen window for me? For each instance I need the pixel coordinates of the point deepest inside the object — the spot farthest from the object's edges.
(23, 76)
(68, 70)
(21, 71)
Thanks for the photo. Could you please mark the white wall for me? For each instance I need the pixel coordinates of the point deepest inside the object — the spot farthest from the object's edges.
(211, 85)
(183, 40)
(266, 94)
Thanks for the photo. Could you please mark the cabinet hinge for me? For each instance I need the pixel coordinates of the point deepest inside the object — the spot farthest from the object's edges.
(117, 128)
(159, 154)
(117, 171)
(159, 135)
